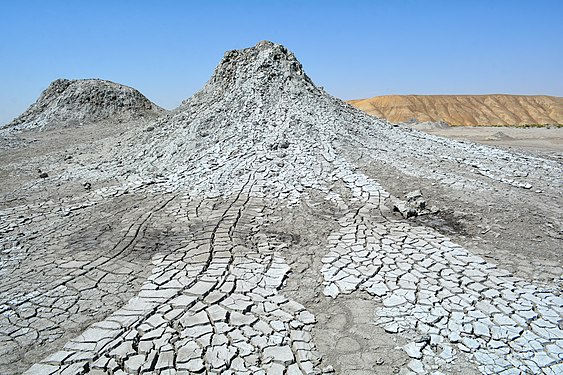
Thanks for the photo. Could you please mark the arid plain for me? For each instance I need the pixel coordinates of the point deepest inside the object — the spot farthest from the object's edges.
(267, 227)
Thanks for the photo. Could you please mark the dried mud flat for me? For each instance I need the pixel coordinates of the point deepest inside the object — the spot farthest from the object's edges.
(251, 231)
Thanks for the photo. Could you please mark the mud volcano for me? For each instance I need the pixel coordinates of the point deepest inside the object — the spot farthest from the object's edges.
(74, 102)
(251, 231)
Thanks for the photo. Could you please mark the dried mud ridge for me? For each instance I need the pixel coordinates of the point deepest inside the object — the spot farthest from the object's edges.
(223, 239)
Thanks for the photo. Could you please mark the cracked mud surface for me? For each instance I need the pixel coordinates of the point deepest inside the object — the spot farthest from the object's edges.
(261, 240)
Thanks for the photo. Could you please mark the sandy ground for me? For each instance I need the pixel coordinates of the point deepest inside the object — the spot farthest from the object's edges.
(542, 140)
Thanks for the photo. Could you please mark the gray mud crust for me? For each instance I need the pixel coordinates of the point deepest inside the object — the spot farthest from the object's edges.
(252, 231)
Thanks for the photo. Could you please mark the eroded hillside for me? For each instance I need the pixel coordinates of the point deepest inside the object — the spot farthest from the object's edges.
(466, 110)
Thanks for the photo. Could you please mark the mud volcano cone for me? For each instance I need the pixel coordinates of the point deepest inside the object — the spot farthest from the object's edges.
(75, 102)
(259, 113)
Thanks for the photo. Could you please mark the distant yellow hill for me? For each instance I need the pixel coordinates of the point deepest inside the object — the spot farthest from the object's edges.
(468, 110)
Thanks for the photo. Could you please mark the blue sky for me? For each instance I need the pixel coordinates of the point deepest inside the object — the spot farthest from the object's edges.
(355, 49)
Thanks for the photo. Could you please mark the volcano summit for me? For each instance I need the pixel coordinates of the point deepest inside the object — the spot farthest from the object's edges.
(252, 231)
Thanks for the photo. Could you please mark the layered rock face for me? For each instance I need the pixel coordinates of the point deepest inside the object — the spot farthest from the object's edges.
(467, 110)
(262, 203)
(75, 102)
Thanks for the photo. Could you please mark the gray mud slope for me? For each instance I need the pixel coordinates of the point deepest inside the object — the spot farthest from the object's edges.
(250, 231)
(74, 102)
